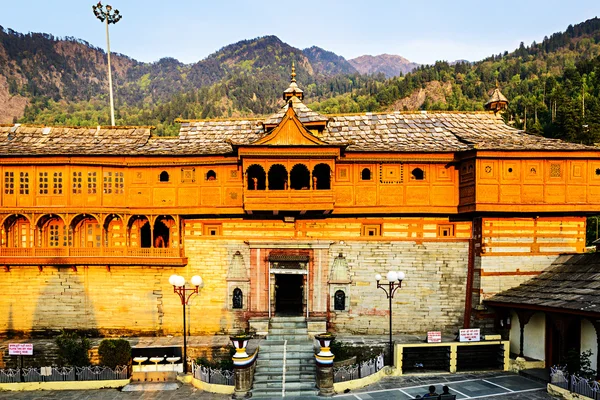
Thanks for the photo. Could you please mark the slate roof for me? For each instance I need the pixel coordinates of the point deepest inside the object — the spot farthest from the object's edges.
(370, 132)
(572, 283)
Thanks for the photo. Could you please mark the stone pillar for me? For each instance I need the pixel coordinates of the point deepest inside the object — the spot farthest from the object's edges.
(325, 365)
(243, 365)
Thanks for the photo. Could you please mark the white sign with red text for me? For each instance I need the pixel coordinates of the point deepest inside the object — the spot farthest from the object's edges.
(434, 337)
(469, 335)
(20, 349)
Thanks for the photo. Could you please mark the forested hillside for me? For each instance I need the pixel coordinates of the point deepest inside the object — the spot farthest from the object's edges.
(553, 86)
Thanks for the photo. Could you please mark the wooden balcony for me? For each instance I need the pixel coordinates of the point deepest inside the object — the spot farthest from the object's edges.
(106, 256)
(288, 200)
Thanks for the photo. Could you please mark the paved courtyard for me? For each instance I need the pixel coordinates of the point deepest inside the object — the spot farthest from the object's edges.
(493, 386)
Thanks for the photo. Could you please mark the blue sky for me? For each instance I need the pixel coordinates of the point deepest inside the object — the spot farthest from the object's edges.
(422, 31)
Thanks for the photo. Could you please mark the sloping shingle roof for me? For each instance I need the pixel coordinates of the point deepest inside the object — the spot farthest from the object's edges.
(370, 132)
(571, 283)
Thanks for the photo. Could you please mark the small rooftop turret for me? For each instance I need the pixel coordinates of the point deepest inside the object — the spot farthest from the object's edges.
(293, 90)
(497, 101)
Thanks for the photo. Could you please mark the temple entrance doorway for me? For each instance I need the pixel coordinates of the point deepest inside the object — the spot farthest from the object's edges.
(289, 289)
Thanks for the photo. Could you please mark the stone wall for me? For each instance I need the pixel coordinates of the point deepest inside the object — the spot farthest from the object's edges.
(432, 296)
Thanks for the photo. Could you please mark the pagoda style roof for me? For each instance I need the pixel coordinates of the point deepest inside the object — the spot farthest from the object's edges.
(421, 132)
(571, 284)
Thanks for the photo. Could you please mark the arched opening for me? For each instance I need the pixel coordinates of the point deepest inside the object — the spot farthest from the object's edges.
(211, 175)
(365, 174)
(299, 177)
(162, 231)
(417, 174)
(164, 176)
(238, 299)
(278, 177)
(339, 300)
(322, 177)
(55, 233)
(139, 232)
(18, 231)
(115, 235)
(87, 231)
(257, 179)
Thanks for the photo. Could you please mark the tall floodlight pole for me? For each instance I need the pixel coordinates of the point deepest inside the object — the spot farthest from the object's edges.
(105, 14)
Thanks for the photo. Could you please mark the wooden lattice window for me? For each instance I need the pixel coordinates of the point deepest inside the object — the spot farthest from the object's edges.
(119, 183)
(24, 183)
(555, 171)
(91, 183)
(9, 182)
(57, 187)
(43, 182)
(77, 182)
(108, 182)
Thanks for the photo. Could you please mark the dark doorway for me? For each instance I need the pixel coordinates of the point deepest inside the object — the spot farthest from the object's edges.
(563, 337)
(288, 294)
(146, 235)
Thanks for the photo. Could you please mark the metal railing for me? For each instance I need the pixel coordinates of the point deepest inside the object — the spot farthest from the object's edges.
(574, 384)
(59, 374)
(357, 371)
(215, 376)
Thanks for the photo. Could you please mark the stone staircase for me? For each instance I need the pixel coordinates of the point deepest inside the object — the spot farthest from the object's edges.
(286, 363)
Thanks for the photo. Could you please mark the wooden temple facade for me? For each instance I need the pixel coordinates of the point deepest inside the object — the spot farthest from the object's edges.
(293, 213)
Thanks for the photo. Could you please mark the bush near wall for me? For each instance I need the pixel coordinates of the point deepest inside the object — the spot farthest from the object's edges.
(73, 349)
(114, 352)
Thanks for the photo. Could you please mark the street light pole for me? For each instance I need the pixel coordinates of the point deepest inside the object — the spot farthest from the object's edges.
(184, 293)
(394, 283)
(105, 14)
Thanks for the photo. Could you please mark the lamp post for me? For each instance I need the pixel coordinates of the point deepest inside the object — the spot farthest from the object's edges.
(394, 283)
(105, 14)
(184, 293)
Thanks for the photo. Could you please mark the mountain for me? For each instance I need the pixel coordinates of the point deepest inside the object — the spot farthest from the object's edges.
(388, 64)
(328, 63)
(40, 72)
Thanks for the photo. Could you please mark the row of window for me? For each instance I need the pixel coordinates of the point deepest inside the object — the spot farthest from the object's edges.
(52, 183)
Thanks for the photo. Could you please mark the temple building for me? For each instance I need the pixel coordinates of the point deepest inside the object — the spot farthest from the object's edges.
(290, 214)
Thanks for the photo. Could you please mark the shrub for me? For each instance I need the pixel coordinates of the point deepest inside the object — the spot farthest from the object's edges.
(344, 351)
(114, 352)
(73, 349)
(225, 363)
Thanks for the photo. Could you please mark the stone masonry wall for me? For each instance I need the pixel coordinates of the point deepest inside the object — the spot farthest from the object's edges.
(432, 296)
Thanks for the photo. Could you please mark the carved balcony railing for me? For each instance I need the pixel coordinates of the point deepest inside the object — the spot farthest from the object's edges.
(288, 200)
(92, 256)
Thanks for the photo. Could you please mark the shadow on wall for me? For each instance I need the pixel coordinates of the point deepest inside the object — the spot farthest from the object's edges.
(63, 303)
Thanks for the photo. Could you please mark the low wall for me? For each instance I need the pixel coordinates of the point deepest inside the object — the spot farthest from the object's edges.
(64, 385)
(354, 384)
(213, 388)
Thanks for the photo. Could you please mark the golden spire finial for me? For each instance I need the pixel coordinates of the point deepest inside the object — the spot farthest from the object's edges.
(293, 72)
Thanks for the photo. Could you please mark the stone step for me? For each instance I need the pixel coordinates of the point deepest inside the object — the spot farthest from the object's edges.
(288, 319)
(299, 368)
(288, 325)
(287, 331)
(294, 346)
(289, 376)
(271, 338)
(274, 394)
(290, 355)
(304, 384)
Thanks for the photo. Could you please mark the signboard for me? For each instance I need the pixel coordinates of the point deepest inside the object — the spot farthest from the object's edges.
(469, 335)
(434, 337)
(20, 349)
